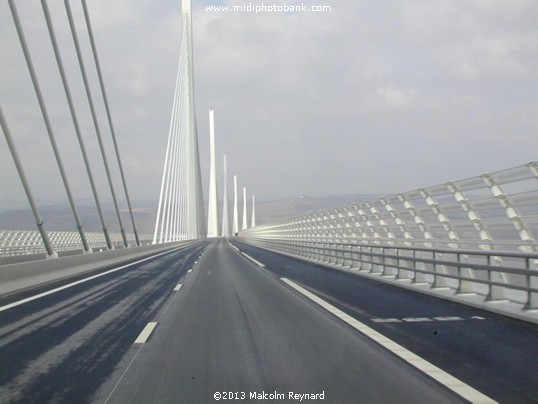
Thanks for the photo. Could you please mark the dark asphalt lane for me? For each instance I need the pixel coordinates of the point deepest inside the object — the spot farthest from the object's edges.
(234, 327)
(62, 347)
(496, 355)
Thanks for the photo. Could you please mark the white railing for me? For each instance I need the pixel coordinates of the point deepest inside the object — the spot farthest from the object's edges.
(471, 236)
(462, 271)
(21, 242)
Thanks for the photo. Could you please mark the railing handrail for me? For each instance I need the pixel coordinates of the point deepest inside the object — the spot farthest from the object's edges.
(493, 253)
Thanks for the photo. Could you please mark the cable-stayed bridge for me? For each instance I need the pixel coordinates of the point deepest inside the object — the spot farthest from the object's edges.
(429, 295)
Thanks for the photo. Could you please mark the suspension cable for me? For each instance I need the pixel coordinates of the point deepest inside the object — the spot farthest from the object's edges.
(94, 117)
(46, 118)
(39, 220)
(75, 119)
(109, 116)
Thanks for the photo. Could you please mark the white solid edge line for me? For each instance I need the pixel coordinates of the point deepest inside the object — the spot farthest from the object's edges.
(178, 286)
(146, 332)
(447, 380)
(253, 260)
(49, 292)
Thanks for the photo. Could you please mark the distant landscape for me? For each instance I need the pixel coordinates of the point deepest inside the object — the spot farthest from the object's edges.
(58, 217)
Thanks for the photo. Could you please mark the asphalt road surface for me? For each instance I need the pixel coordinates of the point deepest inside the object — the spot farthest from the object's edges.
(495, 354)
(206, 322)
(62, 347)
(234, 328)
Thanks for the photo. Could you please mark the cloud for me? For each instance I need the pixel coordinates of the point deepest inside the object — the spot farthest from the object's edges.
(393, 97)
(372, 97)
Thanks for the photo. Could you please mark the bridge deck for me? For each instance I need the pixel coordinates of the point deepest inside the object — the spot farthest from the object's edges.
(234, 326)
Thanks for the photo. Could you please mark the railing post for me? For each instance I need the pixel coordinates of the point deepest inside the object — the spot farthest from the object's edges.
(464, 287)
(384, 269)
(419, 277)
(370, 263)
(495, 293)
(404, 273)
(347, 256)
(398, 271)
(438, 281)
(334, 250)
(353, 256)
(359, 259)
(532, 282)
(335, 253)
(376, 265)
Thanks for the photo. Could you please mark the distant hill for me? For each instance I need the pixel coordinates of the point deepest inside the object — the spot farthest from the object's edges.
(58, 217)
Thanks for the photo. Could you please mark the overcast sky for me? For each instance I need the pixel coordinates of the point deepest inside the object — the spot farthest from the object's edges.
(372, 97)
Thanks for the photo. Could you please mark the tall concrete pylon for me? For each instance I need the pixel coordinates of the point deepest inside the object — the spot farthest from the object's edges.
(181, 212)
(253, 219)
(245, 222)
(196, 214)
(235, 214)
(225, 213)
(213, 209)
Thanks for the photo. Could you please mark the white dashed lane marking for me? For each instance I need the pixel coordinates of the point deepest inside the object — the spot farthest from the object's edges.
(416, 319)
(386, 320)
(448, 318)
(422, 319)
(146, 332)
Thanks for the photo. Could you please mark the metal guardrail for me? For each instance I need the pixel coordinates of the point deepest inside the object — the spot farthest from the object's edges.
(463, 271)
(472, 236)
(21, 242)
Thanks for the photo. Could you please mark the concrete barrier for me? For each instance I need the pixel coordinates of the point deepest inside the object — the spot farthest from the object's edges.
(20, 276)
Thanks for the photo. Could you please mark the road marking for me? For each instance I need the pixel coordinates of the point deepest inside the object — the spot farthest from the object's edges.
(386, 320)
(178, 286)
(69, 285)
(416, 319)
(447, 380)
(253, 260)
(478, 318)
(234, 247)
(189, 271)
(419, 319)
(146, 332)
(448, 318)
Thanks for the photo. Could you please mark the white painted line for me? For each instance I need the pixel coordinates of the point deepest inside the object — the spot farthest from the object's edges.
(253, 260)
(178, 286)
(448, 318)
(416, 319)
(386, 320)
(69, 285)
(146, 332)
(447, 380)
(189, 271)
(478, 318)
(234, 247)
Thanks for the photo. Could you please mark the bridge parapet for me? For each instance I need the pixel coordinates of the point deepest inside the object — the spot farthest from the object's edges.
(474, 236)
(15, 243)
